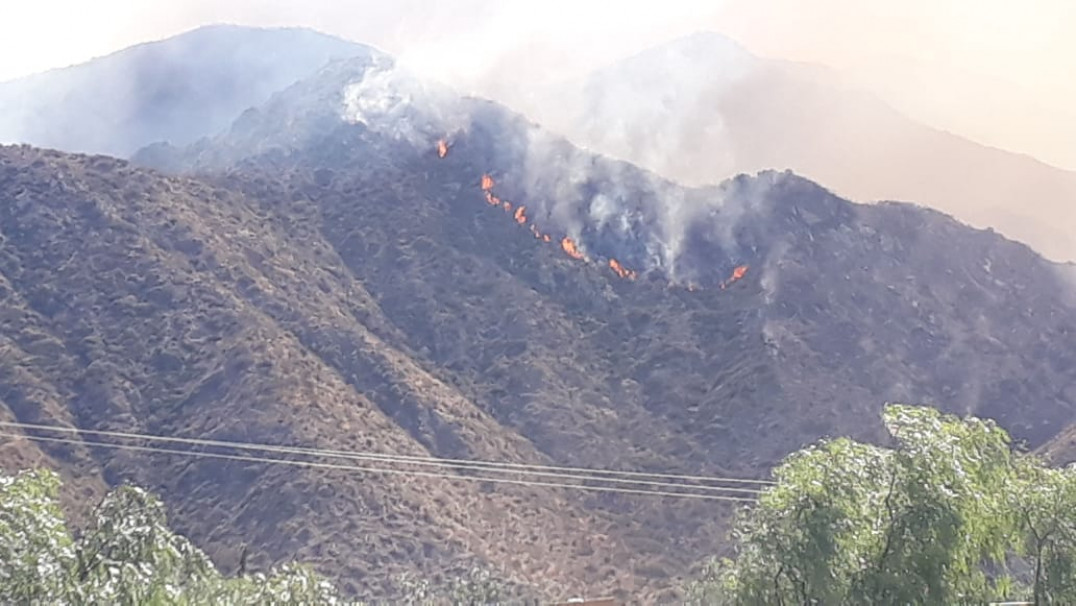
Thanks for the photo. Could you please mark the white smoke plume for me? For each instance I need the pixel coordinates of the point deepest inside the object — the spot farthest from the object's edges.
(390, 101)
(614, 209)
(609, 208)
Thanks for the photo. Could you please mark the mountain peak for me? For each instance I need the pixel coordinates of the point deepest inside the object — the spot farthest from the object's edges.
(177, 90)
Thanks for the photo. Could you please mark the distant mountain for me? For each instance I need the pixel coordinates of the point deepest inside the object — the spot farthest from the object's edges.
(175, 90)
(701, 109)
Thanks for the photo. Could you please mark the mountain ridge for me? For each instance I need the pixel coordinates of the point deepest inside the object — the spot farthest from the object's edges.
(178, 89)
(698, 113)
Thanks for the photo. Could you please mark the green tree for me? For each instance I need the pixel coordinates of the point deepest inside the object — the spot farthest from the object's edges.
(126, 555)
(1044, 503)
(477, 588)
(37, 552)
(940, 518)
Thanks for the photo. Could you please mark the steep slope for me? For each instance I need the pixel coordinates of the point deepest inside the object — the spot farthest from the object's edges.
(170, 306)
(1062, 449)
(763, 313)
(177, 90)
(701, 109)
(918, 286)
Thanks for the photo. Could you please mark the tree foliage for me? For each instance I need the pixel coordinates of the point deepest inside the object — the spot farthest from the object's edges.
(477, 588)
(126, 555)
(949, 515)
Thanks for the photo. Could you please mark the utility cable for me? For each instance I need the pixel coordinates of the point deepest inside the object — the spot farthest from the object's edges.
(498, 467)
(354, 468)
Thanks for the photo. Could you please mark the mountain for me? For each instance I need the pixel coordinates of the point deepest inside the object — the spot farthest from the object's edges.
(701, 109)
(176, 90)
(319, 275)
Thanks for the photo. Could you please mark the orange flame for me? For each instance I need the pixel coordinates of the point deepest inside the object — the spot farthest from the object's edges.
(737, 273)
(520, 217)
(570, 248)
(621, 270)
(442, 148)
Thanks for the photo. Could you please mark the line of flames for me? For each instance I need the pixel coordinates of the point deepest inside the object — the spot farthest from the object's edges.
(567, 244)
(621, 271)
(519, 215)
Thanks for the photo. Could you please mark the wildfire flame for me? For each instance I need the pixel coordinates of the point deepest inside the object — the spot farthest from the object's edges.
(442, 148)
(567, 244)
(570, 248)
(621, 270)
(737, 273)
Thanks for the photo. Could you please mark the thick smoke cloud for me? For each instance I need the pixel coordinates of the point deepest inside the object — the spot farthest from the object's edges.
(391, 101)
(609, 208)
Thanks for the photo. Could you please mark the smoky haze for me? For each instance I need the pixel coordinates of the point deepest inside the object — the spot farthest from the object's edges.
(933, 59)
(702, 109)
(177, 90)
(696, 108)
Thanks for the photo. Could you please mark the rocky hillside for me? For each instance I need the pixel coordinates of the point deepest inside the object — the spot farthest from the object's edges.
(168, 306)
(323, 276)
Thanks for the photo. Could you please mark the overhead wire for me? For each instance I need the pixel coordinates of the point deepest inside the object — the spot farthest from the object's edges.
(357, 468)
(492, 466)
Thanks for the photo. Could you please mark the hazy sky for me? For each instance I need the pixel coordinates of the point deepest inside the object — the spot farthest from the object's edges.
(998, 71)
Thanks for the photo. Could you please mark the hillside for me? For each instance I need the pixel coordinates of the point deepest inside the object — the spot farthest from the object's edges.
(321, 276)
(169, 306)
(188, 86)
(701, 109)
(852, 287)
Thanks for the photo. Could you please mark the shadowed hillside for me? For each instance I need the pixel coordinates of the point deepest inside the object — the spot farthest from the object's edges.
(176, 90)
(174, 307)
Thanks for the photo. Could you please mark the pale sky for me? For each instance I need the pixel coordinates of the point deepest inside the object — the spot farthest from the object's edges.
(997, 71)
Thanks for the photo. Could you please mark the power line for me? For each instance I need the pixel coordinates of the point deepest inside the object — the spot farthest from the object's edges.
(498, 467)
(317, 465)
(390, 459)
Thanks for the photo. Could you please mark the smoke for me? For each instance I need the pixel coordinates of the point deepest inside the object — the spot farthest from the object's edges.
(609, 209)
(701, 109)
(615, 210)
(391, 101)
(662, 108)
